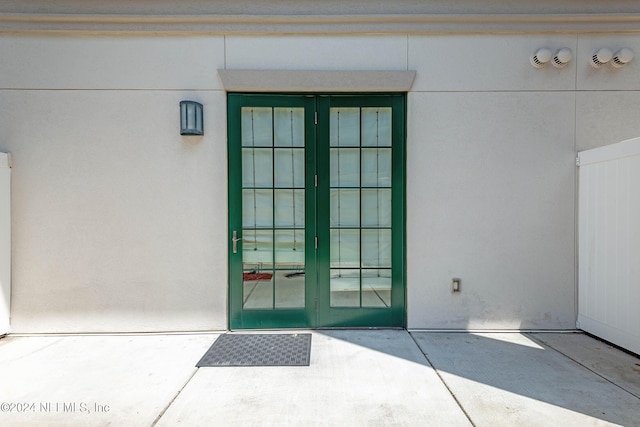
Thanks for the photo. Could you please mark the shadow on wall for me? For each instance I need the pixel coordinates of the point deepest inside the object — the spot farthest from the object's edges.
(498, 373)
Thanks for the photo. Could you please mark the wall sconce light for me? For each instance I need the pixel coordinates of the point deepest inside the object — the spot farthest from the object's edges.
(191, 118)
(601, 57)
(622, 57)
(541, 57)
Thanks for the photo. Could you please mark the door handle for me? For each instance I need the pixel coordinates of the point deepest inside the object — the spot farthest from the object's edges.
(235, 240)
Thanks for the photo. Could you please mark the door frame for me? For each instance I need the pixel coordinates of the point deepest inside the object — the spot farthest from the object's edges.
(317, 312)
(267, 318)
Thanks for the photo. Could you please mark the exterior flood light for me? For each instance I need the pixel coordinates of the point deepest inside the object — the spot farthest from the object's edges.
(544, 55)
(191, 118)
(541, 57)
(601, 57)
(622, 57)
(562, 57)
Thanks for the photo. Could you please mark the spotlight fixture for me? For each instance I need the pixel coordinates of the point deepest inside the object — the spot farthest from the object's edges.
(601, 57)
(562, 57)
(541, 57)
(622, 57)
(191, 118)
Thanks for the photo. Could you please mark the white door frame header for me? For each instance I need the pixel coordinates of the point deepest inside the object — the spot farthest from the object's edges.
(316, 81)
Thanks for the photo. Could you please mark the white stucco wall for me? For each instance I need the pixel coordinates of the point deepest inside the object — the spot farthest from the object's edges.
(119, 223)
(491, 182)
(492, 203)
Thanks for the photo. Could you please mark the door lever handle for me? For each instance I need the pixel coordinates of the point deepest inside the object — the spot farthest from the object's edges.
(234, 241)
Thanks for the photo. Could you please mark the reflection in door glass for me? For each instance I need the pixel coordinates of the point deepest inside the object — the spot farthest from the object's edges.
(273, 208)
(345, 287)
(376, 288)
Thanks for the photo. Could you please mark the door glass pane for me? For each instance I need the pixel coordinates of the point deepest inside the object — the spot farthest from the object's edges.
(288, 127)
(289, 167)
(257, 264)
(376, 207)
(345, 208)
(376, 248)
(345, 167)
(344, 127)
(376, 288)
(290, 249)
(289, 208)
(376, 167)
(290, 272)
(257, 250)
(345, 248)
(257, 290)
(257, 208)
(345, 288)
(289, 289)
(257, 167)
(376, 126)
(257, 126)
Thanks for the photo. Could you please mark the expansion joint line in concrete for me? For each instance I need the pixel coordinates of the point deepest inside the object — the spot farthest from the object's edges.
(540, 342)
(442, 380)
(164, 410)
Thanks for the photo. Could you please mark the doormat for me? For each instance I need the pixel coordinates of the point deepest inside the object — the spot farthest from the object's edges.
(258, 350)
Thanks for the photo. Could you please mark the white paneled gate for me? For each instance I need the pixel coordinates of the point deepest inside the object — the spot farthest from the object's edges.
(609, 243)
(5, 243)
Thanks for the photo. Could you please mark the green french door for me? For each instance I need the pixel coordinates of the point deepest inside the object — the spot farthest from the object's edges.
(316, 211)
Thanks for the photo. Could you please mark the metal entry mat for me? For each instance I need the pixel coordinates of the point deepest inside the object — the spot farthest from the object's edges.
(258, 350)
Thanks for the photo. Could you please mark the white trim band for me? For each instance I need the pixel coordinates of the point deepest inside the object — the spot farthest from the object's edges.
(320, 24)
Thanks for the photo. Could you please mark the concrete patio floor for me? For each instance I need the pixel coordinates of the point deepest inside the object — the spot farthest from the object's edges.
(356, 378)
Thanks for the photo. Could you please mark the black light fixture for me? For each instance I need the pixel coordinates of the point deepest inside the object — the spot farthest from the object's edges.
(191, 118)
